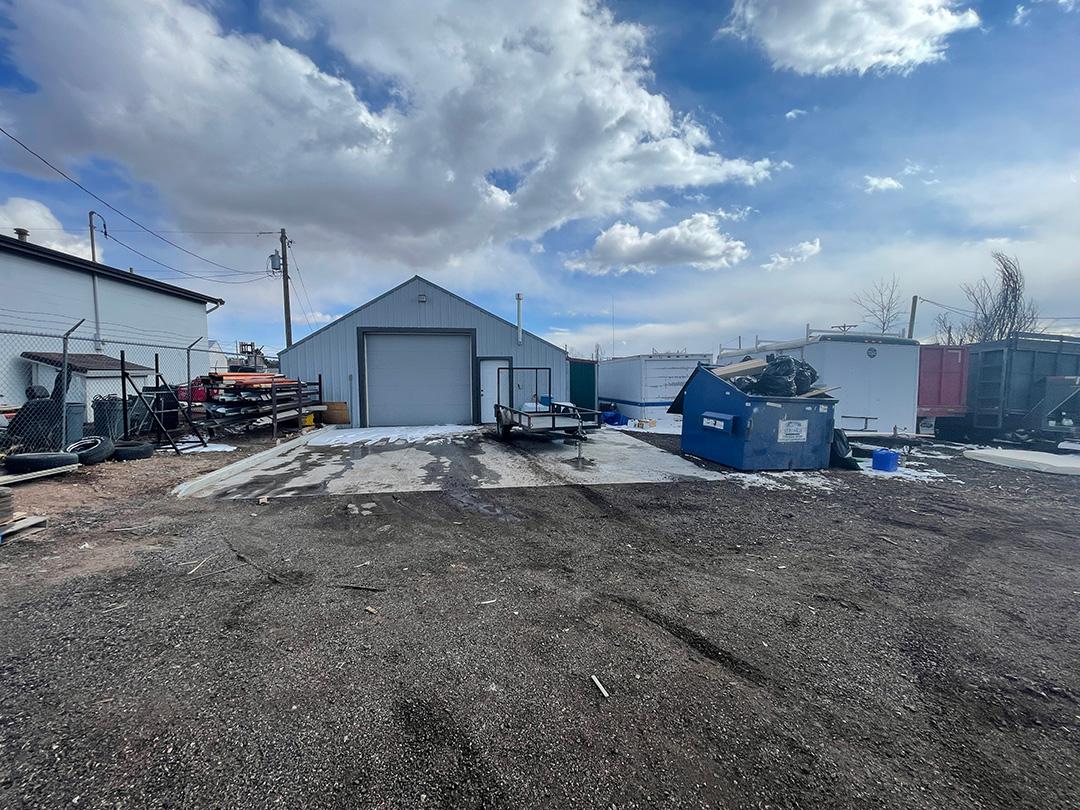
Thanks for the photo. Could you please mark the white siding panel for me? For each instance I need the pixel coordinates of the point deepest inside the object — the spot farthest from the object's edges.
(43, 297)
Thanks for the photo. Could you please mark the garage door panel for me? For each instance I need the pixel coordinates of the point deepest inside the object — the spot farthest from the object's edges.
(418, 379)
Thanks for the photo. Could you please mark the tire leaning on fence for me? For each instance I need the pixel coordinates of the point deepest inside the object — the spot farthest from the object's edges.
(92, 449)
(132, 451)
(37, 462)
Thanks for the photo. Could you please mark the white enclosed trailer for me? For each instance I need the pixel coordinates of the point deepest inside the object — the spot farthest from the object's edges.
(876, 376)
(644, 385)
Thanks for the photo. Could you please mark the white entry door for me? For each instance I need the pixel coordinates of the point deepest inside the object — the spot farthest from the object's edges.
(490, 383)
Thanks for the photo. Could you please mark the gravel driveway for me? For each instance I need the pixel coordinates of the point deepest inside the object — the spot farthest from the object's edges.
(868, 643)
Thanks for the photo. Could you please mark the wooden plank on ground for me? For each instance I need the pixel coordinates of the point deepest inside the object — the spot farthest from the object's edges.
(9, 530)
(15, 479)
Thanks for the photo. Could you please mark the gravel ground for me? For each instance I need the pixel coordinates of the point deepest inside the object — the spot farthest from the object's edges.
(852, 643)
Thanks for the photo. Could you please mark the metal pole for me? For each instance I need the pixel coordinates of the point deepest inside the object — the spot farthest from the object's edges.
(64, 383)
(285, 287)
(159, 399)
(519, 298)
(123, 391)
(189, 348)
(273, 407)
(911, 320)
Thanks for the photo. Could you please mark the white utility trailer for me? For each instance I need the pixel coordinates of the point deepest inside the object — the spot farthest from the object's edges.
(538, 412)
(875, 377)
(643, 386)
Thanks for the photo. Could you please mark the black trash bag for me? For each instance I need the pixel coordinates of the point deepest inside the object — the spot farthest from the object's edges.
(744, 384)
(840, 452)
(777, 379)
(805, 377)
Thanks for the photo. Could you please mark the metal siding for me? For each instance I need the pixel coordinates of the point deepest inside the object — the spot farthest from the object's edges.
(333, 352)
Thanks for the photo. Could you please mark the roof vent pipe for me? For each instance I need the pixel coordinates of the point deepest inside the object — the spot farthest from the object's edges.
(519, 298)
(23, 234)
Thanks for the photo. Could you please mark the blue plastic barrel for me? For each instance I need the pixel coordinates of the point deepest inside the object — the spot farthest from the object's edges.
(885, 460)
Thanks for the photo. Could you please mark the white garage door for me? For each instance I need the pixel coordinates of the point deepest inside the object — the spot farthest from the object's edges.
(418, 379)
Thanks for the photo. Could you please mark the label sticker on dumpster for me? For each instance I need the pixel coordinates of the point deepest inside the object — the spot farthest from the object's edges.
(792, 430)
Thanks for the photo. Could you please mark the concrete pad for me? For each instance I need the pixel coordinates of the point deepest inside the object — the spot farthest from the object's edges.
(471, 461)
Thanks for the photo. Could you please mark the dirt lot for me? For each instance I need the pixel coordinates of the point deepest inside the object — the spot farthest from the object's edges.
(877, 644)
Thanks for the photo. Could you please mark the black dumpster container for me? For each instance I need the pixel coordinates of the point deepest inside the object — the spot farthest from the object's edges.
(1007, 378)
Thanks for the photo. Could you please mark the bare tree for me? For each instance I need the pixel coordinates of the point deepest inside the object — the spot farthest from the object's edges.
(882, 304)
(999, 307)
(946, 331)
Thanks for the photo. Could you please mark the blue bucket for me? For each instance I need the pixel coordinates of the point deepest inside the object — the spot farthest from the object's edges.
(885, 460)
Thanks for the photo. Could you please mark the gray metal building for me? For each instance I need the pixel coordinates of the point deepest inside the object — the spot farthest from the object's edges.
(421, 355)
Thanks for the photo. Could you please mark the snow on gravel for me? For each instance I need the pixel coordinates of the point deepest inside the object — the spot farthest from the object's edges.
(668, 424)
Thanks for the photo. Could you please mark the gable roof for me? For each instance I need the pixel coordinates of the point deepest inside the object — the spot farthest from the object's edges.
(404, 284)
(28, 250)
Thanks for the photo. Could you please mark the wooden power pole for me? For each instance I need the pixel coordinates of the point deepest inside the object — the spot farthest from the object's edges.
(285, 287)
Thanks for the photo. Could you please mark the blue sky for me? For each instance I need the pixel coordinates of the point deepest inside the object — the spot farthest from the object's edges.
(738, 170)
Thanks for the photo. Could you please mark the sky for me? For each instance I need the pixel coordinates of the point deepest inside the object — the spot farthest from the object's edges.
(651, 176)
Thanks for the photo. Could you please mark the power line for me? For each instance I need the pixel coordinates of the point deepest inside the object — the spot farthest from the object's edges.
(300, 278)
(216, 279)
(116, 210)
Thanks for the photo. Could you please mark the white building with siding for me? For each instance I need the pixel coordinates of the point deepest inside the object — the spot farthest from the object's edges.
(421, 355)
(47, 292)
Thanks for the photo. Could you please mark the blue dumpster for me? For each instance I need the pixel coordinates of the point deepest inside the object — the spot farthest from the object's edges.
(752, 432)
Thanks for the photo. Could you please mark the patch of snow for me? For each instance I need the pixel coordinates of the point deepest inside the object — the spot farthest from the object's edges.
(917, 453)
(907, 473)
(198, 448)
(748, 480)
(1028, 460)
(391, 435)
(669, 424)
(807, 478)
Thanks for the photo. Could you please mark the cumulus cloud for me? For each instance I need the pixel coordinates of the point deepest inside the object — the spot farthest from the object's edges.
(648, 210)
(45, 229)
(791, 115)
(696, 242)
(821, 37)
(800, 253)
(874, 184)
(487, 122)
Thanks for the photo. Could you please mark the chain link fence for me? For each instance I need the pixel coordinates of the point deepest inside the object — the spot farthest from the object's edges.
(56, 388)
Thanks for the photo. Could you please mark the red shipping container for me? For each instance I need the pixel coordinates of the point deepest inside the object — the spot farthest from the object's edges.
(943, 373)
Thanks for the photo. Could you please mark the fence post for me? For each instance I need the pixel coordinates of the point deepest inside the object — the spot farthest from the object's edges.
(123, 392)
(64, 385)
(273, 406)
(189, 348)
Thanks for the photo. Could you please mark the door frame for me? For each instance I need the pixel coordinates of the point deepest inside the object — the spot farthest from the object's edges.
(510, 364)
(361, 360)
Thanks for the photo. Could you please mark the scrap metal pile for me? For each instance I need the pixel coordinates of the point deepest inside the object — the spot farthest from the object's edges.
(233, 398)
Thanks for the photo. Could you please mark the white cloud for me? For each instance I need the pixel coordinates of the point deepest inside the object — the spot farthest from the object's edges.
(1020, 16)
(736, 214)
(791, 115)
(45, 229)
(696, 242)
(800, 253)
(881, 184)
(218, 123)
(850, 36)
(910, 167)
(648, 210)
